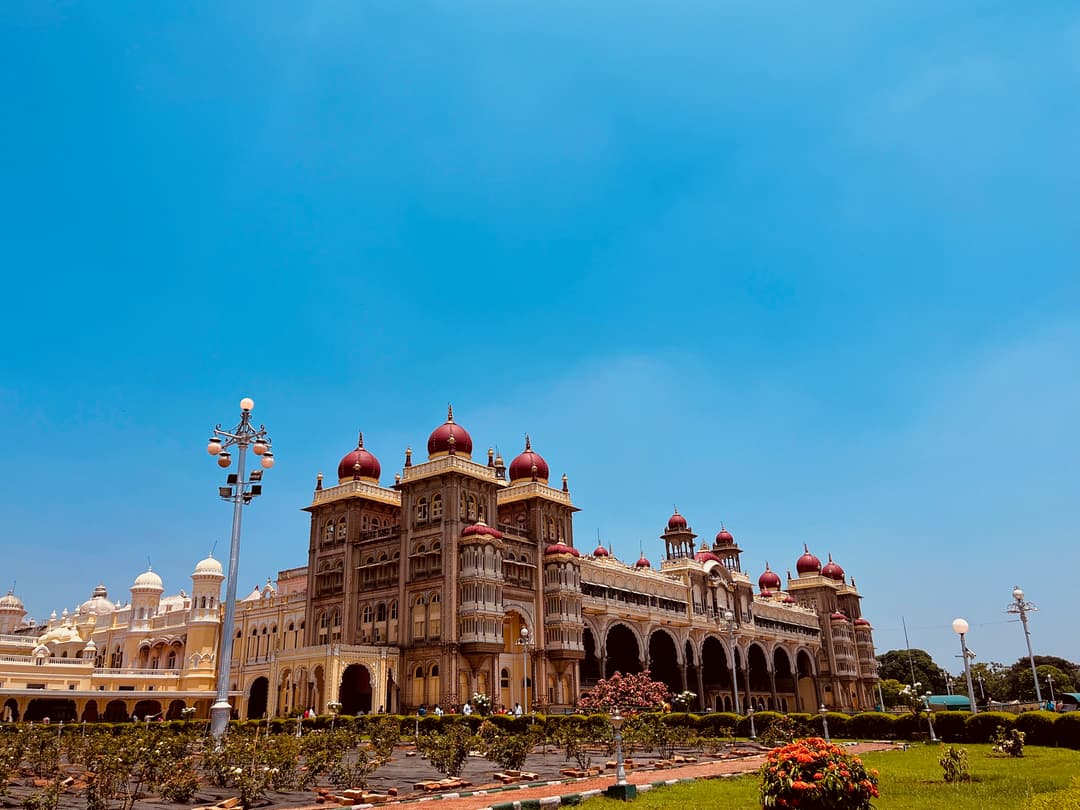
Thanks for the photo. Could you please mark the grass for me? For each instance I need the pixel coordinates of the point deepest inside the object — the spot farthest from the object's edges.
(910, 780)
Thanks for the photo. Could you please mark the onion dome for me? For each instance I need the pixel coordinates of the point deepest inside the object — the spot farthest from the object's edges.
(529, 465)
(704, 555)
(90, 647)
(208, 567)
(601, 552)
(643, 562)
(724, 537)
(769, 579)
(676, 522)
(862, 623)
(479, 528)
(789, 600)
(449, 437)
(359, 464)
(148, 580)
(832, 570)
(808, 563)
(838, 617)
(98, 603)
(766, 594)
(11, 601)
(562, 548)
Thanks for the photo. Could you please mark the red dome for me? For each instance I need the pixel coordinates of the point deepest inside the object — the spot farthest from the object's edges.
(643, 562)
(768, 579)
(521, 468)
(860, 622)
(481, 528)
(369, 465)
(832, 570)
(562, 548)
(789, 600)
(676, 521)
(724, 538)
(766, 594)
(808, 563)
(439, 441)
(838, 617)
(601, 552)
(704, 555)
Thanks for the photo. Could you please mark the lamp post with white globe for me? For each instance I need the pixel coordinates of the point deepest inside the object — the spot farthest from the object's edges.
(960, 627)
(1023, 608)
(239, 490)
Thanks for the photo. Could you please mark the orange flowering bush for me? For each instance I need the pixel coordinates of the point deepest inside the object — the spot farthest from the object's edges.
(812, 774)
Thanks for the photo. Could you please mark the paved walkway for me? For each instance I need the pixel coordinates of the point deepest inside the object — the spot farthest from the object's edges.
(548, 795)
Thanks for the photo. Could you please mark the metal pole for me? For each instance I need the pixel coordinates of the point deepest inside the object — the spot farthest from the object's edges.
(1050, 680)
(825, 722)
(221, 711)
(735, 673)
(1031, 656)
(967, 675)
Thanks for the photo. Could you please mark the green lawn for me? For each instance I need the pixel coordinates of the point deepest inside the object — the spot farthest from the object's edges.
(910, 780)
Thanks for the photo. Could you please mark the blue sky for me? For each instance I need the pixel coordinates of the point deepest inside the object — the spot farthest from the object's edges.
(810, 273)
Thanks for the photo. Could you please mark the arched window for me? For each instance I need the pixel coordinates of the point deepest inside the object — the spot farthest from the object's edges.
(434, 671)
(393, 609)
(380, 612)
(366, 618)
(341, 529)
(504, 679)
(521, 522)
(471, 504)
(422, 510)
(436, 506)
(328, 531)
(335, 628)
(419, 618)
(435, 615)
(171, 662)
(552, 535)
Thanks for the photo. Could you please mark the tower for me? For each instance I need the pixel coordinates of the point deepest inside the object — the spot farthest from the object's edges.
(204, 624)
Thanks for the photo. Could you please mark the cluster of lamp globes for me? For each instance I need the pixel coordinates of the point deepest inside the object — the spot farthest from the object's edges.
(260, 447)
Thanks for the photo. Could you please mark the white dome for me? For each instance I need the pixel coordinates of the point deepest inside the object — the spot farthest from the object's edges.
(11, 602)
(98, 603)
(208, 566)
(148, 579)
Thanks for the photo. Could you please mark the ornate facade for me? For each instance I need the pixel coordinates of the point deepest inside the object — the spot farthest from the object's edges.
(464, 577)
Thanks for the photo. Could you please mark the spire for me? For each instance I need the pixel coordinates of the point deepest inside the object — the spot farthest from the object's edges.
(528, 444)
(449, 412)
(360, 441)
(491, 456)
(318, 482)
(565, 484)
(408, 456)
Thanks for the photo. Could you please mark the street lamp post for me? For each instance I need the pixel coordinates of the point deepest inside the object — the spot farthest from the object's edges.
(621, 789)
(334, 707)
(960, 627)
(239, 490)
(1019, 606)
(1050, 680)
(524, 640)
(729, 620)
(825, 721)
(929, 717)
(753, 731)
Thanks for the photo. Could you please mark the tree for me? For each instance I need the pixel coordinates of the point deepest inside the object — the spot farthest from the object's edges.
(626, 693)
(1019, 685)
(898, 664)
(890, 691)
(994, 684)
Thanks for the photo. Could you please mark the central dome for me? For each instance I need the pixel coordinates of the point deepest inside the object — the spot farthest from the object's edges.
(209, 566)
(98, 603)
(521, 468)
(808, 563)
(449, 436)
(359, 463)
(148, 579)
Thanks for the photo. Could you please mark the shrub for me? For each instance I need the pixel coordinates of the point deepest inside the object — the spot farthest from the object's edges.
(839, 724)
(1038, 727)
(954, 762)
(717, 724)
(1067, 730)
(815, 775)
(905, 726)
(806, 724)
(762, 721)
(507, 749)
(872, 725)
(447, 751)
(951, 726)
(636, 691)
(384, 733)
(780, 732)
(983, 727)
(1009, 741)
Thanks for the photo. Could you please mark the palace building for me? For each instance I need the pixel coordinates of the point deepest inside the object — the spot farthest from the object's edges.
(460, 577)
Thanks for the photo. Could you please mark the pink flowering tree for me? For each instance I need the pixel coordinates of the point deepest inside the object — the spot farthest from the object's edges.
(625, 693)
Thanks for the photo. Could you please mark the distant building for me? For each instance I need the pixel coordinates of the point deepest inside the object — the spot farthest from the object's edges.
(417, 593)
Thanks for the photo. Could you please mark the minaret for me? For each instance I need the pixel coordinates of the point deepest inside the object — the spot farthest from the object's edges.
(204, 625)
(678, 538)
(146, 593)
(12, 612)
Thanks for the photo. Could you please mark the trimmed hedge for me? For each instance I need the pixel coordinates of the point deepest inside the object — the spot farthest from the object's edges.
(1038, 727)
(717, 724)
(873, 725)
(1067, 730)
(981, 727)
(950, 726)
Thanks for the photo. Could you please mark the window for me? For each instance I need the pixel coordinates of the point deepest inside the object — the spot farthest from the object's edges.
(393, 609)
(419, 618)
(436, 506)
(335, 629)
(341, 529)
(504, 679)
(380, 612)
(471, 505)
(435, 616)
(328, 531)
(367, 614)
(171, 662)
(421, 510)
